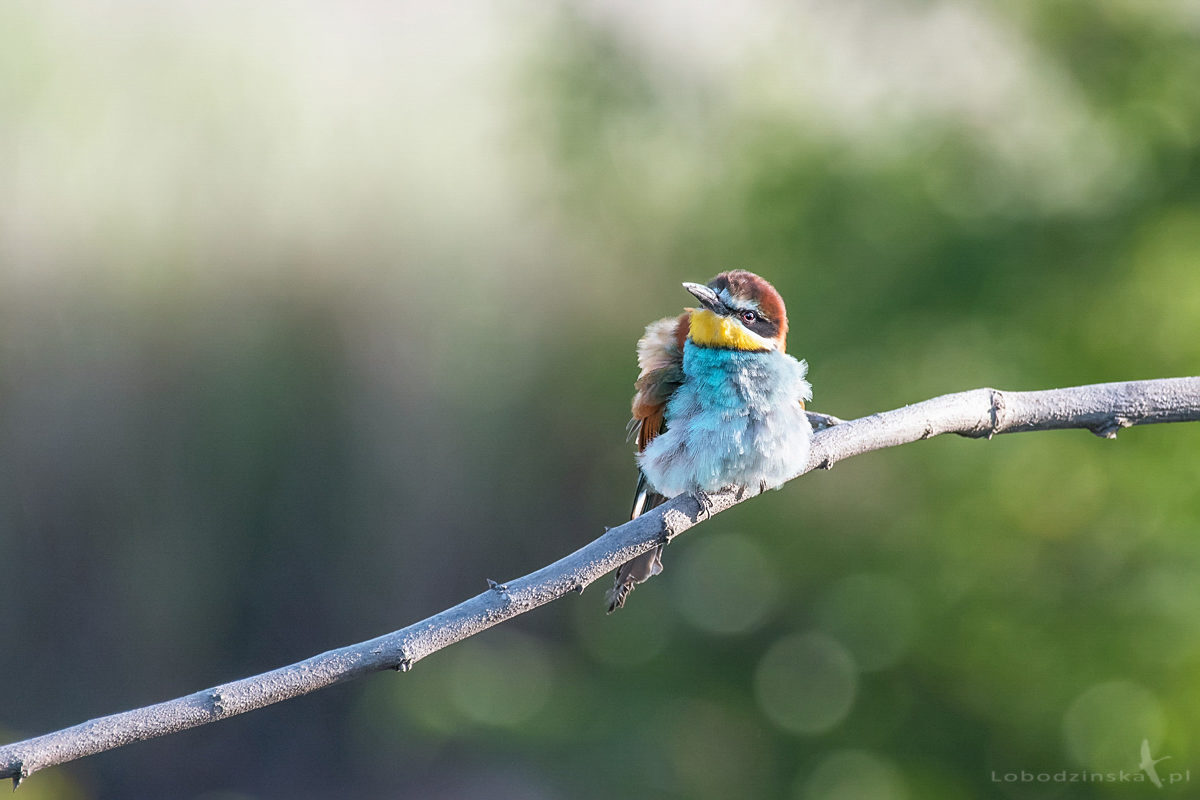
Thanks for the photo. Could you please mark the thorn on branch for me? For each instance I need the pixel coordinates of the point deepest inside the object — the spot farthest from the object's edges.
(498, 588)
(1109, 429)
(673, 522)
(820, 422)
(406, 660)
(19, 775)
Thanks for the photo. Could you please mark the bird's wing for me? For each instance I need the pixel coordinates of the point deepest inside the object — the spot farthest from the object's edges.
(660, 357)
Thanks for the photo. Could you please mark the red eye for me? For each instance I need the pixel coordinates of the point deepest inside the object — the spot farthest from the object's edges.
(749, 316)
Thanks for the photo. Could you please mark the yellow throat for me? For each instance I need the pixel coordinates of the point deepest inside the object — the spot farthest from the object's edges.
(712, 330)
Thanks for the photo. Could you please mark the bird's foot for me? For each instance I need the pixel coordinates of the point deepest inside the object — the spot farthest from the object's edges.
(705, 502)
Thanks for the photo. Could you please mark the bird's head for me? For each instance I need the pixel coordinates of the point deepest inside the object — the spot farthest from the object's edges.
(739, 311)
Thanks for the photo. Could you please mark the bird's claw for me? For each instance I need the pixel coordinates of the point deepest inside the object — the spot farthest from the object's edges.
(705, 502)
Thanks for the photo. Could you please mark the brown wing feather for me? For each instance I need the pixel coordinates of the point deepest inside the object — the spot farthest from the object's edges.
(660, 357)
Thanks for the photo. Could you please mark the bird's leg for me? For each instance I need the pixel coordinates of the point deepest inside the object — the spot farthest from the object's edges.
(706, 503)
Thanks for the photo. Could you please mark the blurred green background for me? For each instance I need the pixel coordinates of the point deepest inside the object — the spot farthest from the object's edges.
(313, 316)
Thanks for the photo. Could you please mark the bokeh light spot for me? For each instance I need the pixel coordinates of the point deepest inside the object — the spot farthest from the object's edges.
(853, 775)
(806, 683)
(503, 681)
(1104, 727)
(727, 584)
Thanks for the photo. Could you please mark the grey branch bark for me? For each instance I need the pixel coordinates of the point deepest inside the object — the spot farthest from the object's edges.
(982, 413)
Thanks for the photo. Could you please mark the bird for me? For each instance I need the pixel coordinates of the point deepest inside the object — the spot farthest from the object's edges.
(1148, 763)
(718, 404)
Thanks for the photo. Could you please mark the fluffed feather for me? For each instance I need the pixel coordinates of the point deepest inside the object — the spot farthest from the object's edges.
(660, 359)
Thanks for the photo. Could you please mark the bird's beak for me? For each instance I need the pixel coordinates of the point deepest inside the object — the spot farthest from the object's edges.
(707, 297)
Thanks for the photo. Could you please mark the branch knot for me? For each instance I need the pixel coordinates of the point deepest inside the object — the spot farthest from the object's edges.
(997, 412)
(1109, 428)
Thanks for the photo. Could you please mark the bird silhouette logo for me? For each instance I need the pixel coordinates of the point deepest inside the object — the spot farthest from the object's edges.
(1148, 763)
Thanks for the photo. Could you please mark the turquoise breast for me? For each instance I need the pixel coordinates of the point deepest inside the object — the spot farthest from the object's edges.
(735, 421)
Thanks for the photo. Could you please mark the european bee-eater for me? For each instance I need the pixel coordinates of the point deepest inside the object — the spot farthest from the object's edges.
(718, 403)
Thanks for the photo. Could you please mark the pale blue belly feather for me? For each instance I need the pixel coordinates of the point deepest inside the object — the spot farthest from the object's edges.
(735, 421)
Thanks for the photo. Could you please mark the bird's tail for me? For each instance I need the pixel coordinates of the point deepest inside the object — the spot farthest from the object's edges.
(645, 566)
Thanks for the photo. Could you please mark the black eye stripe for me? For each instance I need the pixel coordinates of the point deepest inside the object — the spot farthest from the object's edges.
(763, 327)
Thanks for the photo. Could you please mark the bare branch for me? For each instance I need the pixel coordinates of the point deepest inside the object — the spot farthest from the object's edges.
(1102, 408)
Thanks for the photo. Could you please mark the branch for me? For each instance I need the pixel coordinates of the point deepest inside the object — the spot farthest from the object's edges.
(1102, 408)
